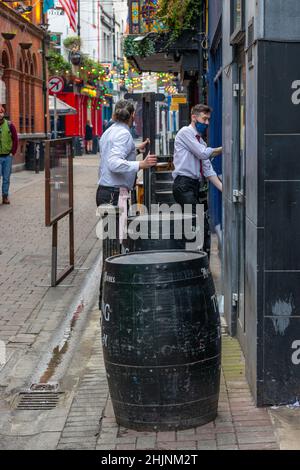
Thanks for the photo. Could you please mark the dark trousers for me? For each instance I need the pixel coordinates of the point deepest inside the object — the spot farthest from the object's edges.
(188, 191)
(107, 195)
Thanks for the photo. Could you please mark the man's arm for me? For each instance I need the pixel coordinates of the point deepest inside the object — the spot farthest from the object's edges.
(188, 140)
(210, 174)
(199, 150)
(216, 182)
(117, 161)
(15, 139)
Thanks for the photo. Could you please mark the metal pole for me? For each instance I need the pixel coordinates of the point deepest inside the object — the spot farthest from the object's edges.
(55, 118)
(78, 18)
(200, 63)
(44, 71)
(54, 255)
(200, 69)
(114, 36)
(99, 20)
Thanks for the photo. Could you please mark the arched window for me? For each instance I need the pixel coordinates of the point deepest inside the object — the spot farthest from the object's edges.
(32, 98)
(21, 96)
(27, 98)
(35, 68)
(5, 88)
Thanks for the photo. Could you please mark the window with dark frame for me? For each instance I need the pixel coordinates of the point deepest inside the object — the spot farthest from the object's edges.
(250, 42)
(237, 21)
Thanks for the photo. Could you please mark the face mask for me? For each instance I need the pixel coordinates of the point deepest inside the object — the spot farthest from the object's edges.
(201, 128)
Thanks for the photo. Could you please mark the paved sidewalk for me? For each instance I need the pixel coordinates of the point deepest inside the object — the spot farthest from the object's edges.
(239, 425)
(30, 310)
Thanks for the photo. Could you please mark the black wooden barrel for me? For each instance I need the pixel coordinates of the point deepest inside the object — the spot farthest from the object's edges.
(161, 339)
(163, 231)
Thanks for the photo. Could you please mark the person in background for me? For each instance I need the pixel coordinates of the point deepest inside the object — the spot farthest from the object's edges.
(107, 124)
(8, 148)
(192, 165)
(89, 137)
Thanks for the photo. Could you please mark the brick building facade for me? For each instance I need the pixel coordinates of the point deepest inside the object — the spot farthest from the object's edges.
(21, 72)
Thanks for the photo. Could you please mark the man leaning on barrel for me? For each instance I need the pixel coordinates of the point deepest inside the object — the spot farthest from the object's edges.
(192, 165)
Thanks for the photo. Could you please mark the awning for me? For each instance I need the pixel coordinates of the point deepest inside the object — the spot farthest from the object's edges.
(178, 56)
(62, 108)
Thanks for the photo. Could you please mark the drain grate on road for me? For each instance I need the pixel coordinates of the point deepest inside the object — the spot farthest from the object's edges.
(39, 397)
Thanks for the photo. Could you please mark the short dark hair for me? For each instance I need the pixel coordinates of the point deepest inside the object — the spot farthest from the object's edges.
(123, 110)
(201, 108)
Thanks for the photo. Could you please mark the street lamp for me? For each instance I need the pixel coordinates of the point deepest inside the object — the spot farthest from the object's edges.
(44, 27)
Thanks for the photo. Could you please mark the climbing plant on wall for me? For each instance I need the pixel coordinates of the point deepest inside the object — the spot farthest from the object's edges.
(180, 15)
(142, 48)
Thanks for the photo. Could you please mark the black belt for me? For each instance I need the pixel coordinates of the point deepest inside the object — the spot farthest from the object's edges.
(190, 180)
(109, 188)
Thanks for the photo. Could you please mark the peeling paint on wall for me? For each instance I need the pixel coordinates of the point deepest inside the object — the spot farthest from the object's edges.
(282, 310)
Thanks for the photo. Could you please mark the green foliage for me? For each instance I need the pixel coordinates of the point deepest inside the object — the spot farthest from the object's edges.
(180, 15)
(72, 43)
(142, 48)
(57, 65)
(91, 70)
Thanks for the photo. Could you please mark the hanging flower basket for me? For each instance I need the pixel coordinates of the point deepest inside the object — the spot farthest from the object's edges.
(25, 45)
(8, 36)
(75, 58)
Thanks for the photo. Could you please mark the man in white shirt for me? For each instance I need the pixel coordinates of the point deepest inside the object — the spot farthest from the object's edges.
(192, 165)
(118, 166)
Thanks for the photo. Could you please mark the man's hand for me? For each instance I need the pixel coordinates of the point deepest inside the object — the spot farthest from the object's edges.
(142, 146)
(217, 151)
(148, 162)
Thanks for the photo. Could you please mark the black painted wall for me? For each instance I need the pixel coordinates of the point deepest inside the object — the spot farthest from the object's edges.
(278, 223)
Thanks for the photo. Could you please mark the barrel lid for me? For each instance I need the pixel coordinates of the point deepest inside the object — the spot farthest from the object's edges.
(156, 257)
(166, 216)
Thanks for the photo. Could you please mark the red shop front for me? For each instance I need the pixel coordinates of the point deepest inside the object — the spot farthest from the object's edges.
(87, 109)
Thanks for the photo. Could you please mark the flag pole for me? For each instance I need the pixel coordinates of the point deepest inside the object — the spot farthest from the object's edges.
(78, 18)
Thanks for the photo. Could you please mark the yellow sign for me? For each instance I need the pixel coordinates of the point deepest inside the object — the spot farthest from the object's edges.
(89, 91)
(178, 99)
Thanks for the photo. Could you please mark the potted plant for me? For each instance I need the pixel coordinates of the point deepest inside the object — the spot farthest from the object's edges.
(25, 45)
(72, 43)
(8, 36)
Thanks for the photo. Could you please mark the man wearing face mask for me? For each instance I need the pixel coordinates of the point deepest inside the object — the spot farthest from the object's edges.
(8, 147)
(192, 165)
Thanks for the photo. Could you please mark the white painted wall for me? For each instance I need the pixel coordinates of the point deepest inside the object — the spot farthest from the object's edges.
(96, 27)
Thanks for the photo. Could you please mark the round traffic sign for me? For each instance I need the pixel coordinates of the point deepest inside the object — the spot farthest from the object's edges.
(55, 84)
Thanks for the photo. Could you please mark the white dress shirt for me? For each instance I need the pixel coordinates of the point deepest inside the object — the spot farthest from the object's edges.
(118, 167)
(188, 152)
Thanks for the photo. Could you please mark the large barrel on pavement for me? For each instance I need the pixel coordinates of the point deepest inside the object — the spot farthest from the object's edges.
(162, 231)
(161, 339)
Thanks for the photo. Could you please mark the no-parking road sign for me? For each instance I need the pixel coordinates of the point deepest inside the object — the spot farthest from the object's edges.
(55, 84)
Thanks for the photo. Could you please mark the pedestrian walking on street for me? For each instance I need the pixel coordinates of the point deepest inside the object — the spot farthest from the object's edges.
(192, 165)
(8, 148)
(89, 137)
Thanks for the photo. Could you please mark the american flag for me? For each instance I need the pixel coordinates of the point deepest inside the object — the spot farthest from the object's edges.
(70, 7)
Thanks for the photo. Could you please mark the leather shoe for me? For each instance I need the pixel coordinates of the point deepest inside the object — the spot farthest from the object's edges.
(5, 200)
